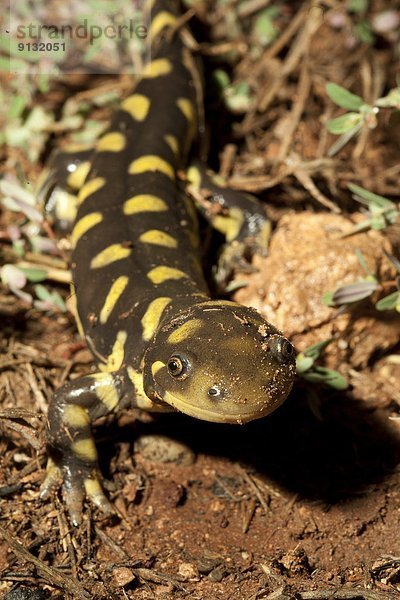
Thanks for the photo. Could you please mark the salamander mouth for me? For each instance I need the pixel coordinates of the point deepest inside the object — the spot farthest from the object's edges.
(220, 416)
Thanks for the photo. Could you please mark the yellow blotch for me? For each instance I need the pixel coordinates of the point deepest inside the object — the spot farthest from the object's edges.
(185, 331)
(187, 108)
(116, 291)
(229, 225)
(85, 449)
(218, 303)
(172, 142)
(194, 176)
(218, 180)
(109, 255)
(76, 416)
(160, 238)
(137, 106)
(141, 400)
(163, 19)
(116, 358)
(93, 489)
(151, 162)
(111, 142)
(84, 225)
(152, 316)
(156, 367)
(77, 178)
(162, 273)
(90, 187)
(144, 203)
(106, 390)
(158, 67)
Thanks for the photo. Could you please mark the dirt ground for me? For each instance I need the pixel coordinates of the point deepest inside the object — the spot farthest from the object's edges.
(304, 504)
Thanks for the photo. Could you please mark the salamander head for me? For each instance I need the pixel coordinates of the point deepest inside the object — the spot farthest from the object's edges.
(220, 362)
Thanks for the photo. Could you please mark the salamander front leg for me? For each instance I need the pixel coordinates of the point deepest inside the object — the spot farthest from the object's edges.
(72, 451)
(240, 217)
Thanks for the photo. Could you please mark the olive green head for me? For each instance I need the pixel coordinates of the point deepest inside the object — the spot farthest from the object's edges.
(220, 361)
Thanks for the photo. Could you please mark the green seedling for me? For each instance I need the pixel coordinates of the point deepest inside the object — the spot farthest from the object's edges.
(360, 114)
(308, 370)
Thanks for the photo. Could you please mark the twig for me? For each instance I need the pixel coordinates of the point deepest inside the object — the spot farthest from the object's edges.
(303, 90)
(254, 488)
(346, 594)
(50, 574)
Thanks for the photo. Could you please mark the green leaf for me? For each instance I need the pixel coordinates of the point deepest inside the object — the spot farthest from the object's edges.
(369, 198)
(34, 275)
(42, 292)
(357, 6)
(390, 302)
(328, 377)
(363, 32)
(327, 298)
(17, 106)
(221, 78)
(378, 222)
(342, 97)
(303, 363)
(344, 139)
(392, 100)
(264, 30)
(354, 292)
(315, 350)
(362, 262)
(344, 123)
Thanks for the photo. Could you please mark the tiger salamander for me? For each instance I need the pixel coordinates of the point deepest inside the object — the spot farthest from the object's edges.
(143, 306)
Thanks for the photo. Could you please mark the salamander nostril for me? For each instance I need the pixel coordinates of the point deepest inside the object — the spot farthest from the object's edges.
(215, 392)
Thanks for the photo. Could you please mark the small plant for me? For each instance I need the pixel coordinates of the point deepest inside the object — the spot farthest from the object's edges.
(382, 212)
(308, 370)
(25, 235)
(360, 290)
(360, 113)
(16, 278)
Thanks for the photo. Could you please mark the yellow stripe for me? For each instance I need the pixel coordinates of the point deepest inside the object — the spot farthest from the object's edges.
(230, 224)
(194, 176)
(109, 255)
(137, 106)
(83, 226)
(185, 331)
(77, 177)
(187, 109)
(163, 19)
(94, 490)
(152, 316)
(144, 203)
(76, 416)
(105, 390)
(172, 142)
(85, 449)
(111, 142)
(160, 238)
(116, 358)
(156, 367)
(151, 162)
(160, 66)
(90, 187)
(161, 274)
(113, 296)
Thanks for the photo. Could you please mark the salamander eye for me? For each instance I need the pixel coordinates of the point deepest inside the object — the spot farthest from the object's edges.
(281, 348)
(177, 366)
